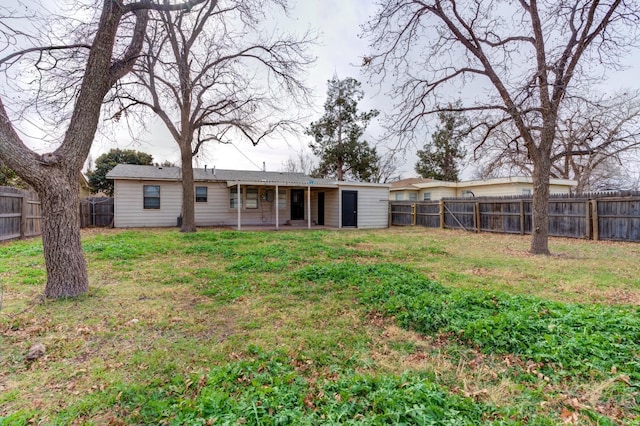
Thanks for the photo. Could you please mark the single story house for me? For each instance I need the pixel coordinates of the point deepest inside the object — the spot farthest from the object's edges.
(420, 189)
(152, 196)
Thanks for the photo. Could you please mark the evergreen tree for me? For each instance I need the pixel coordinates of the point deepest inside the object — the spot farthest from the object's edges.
(98, 178)
(439, 158)
(337, 135)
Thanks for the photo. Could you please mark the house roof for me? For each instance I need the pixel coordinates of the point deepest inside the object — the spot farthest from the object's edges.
(137, 172)
(415, 184)
(407, 183)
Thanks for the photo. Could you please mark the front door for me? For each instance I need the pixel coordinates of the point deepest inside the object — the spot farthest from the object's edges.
(321, 208)
(350, 209)
(297, 204)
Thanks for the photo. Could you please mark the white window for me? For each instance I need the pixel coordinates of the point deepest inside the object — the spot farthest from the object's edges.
(252, 198)
(282, 199)
(526, 192)
(426, 196)
(201, 194)
(234, 201)
(151, 196)
(398, 196)
(413, 196)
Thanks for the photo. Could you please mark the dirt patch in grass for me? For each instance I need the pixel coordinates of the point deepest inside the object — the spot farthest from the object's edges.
(621, 296)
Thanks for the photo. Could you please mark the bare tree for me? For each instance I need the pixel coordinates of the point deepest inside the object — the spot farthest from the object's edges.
(595, 140)
(211, 75)
(54, 175)
(388, 165)
(529, 56)
(301, 163)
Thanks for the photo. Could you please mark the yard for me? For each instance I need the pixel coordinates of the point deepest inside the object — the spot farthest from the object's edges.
(405, 325)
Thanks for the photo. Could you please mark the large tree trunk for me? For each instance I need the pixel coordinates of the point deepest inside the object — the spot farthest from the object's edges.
(188, 196)
(66, 267)
(540, 218)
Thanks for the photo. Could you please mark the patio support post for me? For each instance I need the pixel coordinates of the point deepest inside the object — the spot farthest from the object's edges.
(277, 203)
(238, 203)
(309, 206)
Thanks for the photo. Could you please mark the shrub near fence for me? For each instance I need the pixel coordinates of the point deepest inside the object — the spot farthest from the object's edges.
(590, 216)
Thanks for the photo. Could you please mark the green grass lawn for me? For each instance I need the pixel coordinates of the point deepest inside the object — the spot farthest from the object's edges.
(397, 326)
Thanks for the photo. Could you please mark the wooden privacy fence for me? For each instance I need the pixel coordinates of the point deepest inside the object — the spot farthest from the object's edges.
(590, 216)
(96, 211)
(20, 213)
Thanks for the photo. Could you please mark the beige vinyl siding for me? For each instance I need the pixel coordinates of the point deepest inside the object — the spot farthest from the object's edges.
(557, 189)
(502, 190)
(215, 212)
(128, 204)
(437, 193)
(508, 189)
(373, 204)
(332, 208)
(491, 190)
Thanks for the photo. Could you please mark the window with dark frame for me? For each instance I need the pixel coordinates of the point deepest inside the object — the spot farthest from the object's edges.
(151, 196)
(201, 194)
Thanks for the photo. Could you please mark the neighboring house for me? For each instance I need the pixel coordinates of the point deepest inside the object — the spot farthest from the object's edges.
(152, 196)
(85, 189)
(404, 190)
(418, 189)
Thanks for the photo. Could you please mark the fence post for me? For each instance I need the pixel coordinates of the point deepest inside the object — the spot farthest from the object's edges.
(587, 210)
(413, 214)
(594, 219)
(23, 216)
(441, 214)
(521, 217)
(476, 214)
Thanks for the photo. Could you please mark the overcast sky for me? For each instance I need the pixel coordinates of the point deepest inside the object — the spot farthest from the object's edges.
(340, 51)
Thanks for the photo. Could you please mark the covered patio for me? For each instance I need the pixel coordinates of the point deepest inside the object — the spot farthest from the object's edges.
(289, 204)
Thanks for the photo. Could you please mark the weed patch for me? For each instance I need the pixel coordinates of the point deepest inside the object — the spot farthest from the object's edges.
(565, 339)
(267, 388)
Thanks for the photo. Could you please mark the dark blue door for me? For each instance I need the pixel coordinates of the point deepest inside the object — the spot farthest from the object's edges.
(349, 209)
